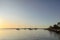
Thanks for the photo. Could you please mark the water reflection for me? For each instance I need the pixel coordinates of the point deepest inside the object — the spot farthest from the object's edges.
(55, 35)
(28, 35)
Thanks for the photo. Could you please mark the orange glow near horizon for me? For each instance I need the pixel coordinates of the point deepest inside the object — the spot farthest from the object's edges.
(9, 24)
(5, 23)
(15, 24)
(1, 23)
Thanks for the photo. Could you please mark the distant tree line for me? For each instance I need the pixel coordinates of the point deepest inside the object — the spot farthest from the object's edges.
(55, 26)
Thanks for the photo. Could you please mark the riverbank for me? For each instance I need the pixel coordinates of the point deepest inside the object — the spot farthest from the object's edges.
(54, 30)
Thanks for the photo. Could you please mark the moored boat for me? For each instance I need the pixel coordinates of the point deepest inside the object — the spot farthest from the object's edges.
(17, 29)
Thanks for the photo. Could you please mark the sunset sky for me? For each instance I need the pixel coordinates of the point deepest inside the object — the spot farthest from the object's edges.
(24, 13)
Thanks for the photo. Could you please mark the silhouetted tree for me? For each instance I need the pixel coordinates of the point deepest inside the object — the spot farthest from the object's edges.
(58, 23)
(56, 26)
(50, 27)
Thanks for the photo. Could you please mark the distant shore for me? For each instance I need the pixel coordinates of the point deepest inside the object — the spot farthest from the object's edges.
(22, 28)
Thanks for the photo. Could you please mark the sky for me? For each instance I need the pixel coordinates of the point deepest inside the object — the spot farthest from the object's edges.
(39, 13)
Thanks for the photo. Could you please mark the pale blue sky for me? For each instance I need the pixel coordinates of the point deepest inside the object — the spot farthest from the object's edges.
(37, 12)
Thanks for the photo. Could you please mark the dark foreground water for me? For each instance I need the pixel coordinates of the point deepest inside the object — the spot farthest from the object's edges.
(28, 35)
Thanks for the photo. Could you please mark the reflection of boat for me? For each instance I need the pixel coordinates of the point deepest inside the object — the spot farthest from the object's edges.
(17, 29)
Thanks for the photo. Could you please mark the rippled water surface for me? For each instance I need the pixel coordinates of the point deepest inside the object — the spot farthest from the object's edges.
(28, 35)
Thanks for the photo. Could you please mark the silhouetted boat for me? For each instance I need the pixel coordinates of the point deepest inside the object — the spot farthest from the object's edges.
(30, 28)
(17, 29)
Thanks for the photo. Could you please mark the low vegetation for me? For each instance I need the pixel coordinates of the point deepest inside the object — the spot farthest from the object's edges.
(55, 27)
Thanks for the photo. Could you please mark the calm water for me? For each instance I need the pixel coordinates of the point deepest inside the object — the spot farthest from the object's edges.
(28, 35)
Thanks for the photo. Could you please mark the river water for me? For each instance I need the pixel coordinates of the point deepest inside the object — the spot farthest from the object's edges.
(28, 35)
